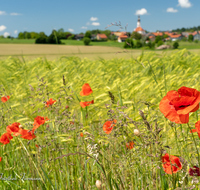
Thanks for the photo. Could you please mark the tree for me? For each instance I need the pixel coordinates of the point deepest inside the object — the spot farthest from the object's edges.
(190, 37)
(165, 36)
(71, 37)
(175, 45)
(158, 38)
(42, 34)
(53, 38)
(41, 40)
(138, 44)
(160, 43)
(21, 35)
(86, 41)
(128, 43)
(136, 35)
(27, 35)
(34, 35)
(88, 34)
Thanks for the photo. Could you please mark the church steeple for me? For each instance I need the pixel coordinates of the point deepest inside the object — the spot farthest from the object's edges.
(138, 22)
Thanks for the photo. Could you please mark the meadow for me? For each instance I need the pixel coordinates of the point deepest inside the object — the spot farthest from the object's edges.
(113, 131)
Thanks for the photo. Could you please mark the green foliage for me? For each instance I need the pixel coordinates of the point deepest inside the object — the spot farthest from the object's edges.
(160, 43)
(196, 41)
(86, 41)
(53, 38)
(41, 40)
(71, 37)
(190, 37)
(158, 38)
(27, 35)
(138, 44)
(184, 39)
(21, 35)
(136, 36)
(128, 43)
(88, 34)
(175, 45)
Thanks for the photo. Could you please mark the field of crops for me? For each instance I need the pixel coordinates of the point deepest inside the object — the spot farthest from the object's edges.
(81, 124)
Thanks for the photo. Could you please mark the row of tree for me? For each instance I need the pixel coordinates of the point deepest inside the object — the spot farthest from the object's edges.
(191, 29)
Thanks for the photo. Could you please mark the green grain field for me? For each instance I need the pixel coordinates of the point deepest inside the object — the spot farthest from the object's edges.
(71, 150)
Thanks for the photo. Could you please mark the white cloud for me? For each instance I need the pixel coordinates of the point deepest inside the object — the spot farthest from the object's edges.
(184, 3)
(83, 27)
(88, 23)
(6, 34)
(15, 14)
(2, 13)
(172, 10)
(15, 32)
(142, 11)
(71, 30)
(93, 18)
(2, 28)
(95, 24)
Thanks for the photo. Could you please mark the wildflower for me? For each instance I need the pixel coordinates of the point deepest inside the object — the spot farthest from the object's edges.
(195, 171)
(108, 126)
(130, 145)
(98, 184)
(171, 164)
(66, 107)
(81, 134)
(197, 126)
(0, 159)
(136, 132)
(27, 134)
(5, 138)
(177, 105)
(71, 122)
(13, 128)
(5, 98)
(50, 102)
(38, 121)
(84, 104)
(86, 90)
(37, 146)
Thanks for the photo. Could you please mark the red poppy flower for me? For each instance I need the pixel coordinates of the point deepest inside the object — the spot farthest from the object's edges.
(66, 107)
(108, 126)
(195, 171)
(37, 146)
(84, 104)
(13, 128)
(86, 90)
(71, 122)
(39, 121)
(171, 164)
(177, 105)
(27, 134)
(130, 145)
(5, 138)
(197, 126)
(81, 134)
(5, 98)
(50, 102)
(0, 159)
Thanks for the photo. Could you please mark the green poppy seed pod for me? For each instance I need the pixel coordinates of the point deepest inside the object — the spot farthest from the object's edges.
(98, 184)
(136, 132)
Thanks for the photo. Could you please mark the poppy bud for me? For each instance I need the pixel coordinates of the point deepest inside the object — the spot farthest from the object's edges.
(98, 184)
(136, 132)
(66, 107)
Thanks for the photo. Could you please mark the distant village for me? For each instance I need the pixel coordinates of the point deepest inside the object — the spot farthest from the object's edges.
(168, 35)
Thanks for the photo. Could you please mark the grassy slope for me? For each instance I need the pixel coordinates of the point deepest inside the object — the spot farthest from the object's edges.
(135, 84)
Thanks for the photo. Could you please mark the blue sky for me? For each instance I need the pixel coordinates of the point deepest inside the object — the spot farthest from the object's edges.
(78, 15)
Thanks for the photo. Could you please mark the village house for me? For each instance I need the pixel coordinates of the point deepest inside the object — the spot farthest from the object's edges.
(101, 37)
(122, 38)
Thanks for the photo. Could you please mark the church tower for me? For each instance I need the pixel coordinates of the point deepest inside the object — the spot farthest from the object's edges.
(138, 22)
(139, 29)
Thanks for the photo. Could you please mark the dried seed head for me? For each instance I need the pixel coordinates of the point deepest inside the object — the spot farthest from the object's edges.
(98, 184)
(136, 132)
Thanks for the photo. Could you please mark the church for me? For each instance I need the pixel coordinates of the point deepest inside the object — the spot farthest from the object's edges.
(139, 29)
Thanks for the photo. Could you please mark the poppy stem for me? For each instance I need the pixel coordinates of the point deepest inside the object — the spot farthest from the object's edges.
(194, 143)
